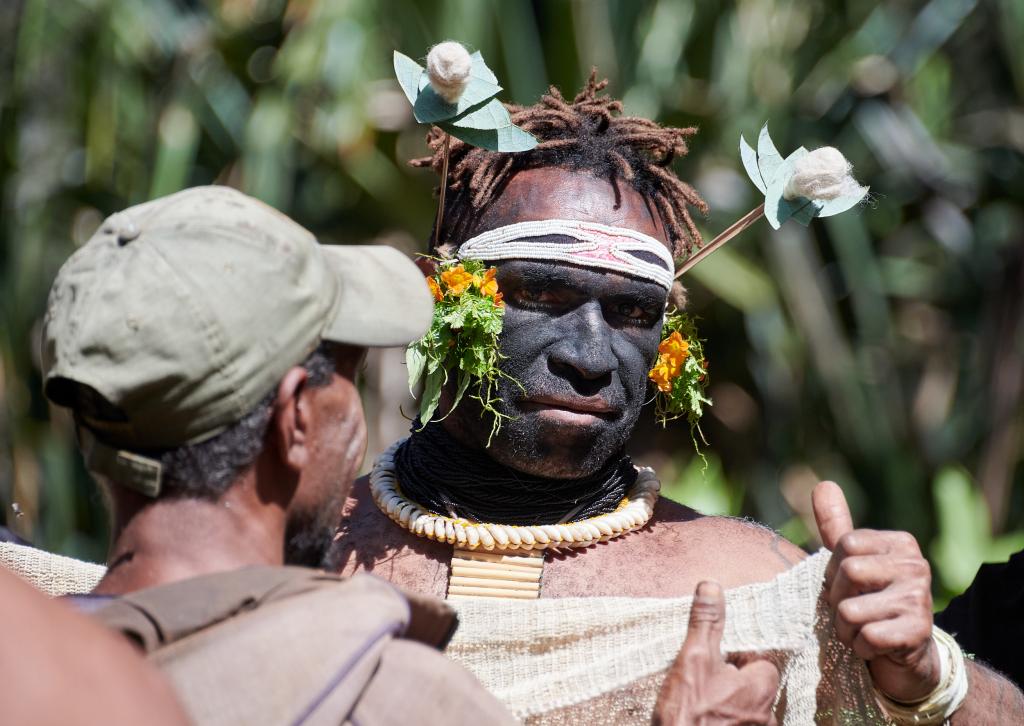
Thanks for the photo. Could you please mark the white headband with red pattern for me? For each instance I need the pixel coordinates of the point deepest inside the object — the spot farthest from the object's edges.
(597, 245)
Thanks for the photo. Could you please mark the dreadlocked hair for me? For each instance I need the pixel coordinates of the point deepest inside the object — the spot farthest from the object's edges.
(587, 133)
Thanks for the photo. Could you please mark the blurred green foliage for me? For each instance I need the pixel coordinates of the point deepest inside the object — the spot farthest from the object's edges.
(883, 348)
(965, 530)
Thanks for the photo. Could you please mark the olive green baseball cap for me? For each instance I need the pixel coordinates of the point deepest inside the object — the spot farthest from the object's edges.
(185, 311)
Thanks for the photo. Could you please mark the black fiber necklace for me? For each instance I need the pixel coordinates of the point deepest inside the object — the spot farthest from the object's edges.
(445, 477)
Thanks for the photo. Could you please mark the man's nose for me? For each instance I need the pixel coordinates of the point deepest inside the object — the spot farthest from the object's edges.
(586, 345)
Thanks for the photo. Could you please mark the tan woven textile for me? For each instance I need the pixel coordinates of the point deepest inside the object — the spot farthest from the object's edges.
(53, 574)
(602, 659)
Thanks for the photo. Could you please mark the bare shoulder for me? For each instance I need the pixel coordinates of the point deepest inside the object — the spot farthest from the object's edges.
(755, 549)
(678, 548)
(675, 527)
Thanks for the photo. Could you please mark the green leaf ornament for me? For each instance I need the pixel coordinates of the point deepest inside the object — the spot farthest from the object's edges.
(771, 173)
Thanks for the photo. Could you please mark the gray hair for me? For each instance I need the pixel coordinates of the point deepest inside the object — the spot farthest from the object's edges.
(207, 469)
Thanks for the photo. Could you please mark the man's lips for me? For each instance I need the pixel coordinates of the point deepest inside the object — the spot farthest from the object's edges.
(589, 406)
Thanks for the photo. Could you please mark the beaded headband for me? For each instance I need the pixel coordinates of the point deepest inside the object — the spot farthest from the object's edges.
(597, 245)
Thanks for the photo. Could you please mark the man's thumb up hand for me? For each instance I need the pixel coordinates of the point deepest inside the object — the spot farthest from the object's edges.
(701, 687)
(831, 513)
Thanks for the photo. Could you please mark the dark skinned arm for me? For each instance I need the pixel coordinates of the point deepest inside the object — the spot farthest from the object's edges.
(991, 701)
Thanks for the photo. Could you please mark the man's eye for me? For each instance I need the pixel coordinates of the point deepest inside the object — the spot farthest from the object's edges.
(533, 296)
(633, 312)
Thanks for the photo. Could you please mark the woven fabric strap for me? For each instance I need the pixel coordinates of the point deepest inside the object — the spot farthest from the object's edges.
(602, 659)
(597, 245)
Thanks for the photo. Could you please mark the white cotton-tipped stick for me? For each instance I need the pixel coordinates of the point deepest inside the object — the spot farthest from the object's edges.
(823, 174)
(448, 67)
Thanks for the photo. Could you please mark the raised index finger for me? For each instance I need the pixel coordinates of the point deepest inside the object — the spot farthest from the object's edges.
(831, 513)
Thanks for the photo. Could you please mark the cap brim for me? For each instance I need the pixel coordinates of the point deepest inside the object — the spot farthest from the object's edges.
(383, 298)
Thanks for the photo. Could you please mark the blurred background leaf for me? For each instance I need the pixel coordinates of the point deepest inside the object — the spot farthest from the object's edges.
(883, 348)
(965, 530)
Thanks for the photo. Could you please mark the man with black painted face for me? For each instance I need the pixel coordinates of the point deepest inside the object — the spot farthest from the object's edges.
(580, 341)
(580, 337)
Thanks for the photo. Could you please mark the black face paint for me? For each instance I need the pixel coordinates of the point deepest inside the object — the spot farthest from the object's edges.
(581, 343)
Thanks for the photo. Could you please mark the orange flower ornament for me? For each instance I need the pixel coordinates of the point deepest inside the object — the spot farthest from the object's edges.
(672, 351)
(456, 279)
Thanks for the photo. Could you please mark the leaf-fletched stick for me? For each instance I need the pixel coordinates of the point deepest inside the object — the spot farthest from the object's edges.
(804, 185)
(731, 231)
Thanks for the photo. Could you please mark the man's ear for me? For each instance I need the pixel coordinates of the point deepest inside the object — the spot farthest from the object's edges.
(291, 423)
